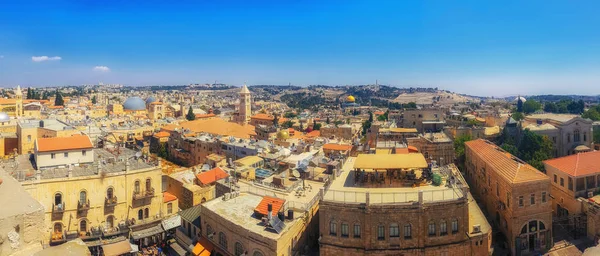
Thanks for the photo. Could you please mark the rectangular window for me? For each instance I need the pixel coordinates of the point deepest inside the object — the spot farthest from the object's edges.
(443, 229)
(520, 201)
(394, 230)
(66, 154)
(454, 226)
(570, 184)
(83, 152)
(357, 230)
(407, 231)
(333, 228)
(497, 189)
(52, 155)
(532, 199)
(380, 232)
(344, 230)
(431, 229)
(507, 199)
(562, 182)
(169, 208)
(543, 197)
(555, 178)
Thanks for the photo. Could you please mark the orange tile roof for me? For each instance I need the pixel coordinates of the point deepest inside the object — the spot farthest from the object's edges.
(168, 127)
(168, 197)
(337, 147)
(218, 126)
(402, 150)
(262, 116)
(503, 163)
(211, 176)
(64, 143)
(582, 164)
(8, 101)
(262, 207)
(205, 115)
(56, 107)
(162, 134)
(378, 113)
(312, 134)
(413, 149)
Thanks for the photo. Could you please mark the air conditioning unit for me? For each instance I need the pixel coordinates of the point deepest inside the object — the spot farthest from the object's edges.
(226, 196)
(476, 228)
(590, 194)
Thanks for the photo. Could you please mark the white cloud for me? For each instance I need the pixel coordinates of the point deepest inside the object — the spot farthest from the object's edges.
(101, 68)
(44, 58)
(1, 56)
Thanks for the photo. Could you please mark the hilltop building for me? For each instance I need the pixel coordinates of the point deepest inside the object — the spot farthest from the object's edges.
(244, 111)
(569, 134)
(13, 107)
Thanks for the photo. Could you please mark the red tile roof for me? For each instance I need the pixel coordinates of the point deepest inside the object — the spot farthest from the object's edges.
(205, 115)
(168, 197)
(337, 147)
(211, 176)
(582, 164)
(312, 134)
(64, 143)
(262, 207)
(503, 163)
(162, 134)
(262, 116)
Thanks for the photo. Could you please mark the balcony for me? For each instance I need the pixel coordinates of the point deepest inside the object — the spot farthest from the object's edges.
(94, 233)
(83, 206)
(58, 208)
(138, 195)
(122, 228)
(57, 238)
(110, 202)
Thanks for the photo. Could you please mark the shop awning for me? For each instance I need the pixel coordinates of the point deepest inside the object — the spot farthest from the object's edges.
(147, 232)
(171, 222)
(134, 248)
(116, 248)
(203, 247)
(390, 161)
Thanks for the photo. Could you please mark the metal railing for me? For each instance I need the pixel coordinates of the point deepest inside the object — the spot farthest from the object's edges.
(143, 194)
(83, 206)
(58, 208)
(110, 202)
(409, 197)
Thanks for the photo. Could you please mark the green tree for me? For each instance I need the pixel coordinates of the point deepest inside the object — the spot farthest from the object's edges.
(94, 100)
(28, 93)
(519, 105)
(596, 135)
(534, 149)
(45, 95)
(459, 145)
(327, 120)
(518, 116)
(276, 120)
(510, 148)
(551, 107)
(287, 124)
(190, 114)
(317, 127)
(591, 113)
(473, 122)
(58, 101)
(410, 105)
(531, 106)
(370, 117)
(289, 115)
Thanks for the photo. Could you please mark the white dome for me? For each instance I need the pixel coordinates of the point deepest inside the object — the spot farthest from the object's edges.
(134, 103)
(4, 117)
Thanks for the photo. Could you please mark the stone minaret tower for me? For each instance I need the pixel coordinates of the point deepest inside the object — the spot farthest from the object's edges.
(19, 101)
(244, 108)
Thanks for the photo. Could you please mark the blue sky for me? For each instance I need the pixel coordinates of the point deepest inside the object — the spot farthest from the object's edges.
(476, 47)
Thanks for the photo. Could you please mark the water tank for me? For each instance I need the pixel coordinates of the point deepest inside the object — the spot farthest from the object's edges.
(290, 214)
(281, 216)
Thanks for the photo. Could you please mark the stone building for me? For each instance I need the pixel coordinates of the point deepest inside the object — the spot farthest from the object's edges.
(63, 151)
(436, 147)
(21, 219)
(573, 177)
(244, 111)
(425, 120)
(344, 131)
(569, 134)
(387, 205)
(107, 199)
(515, 195)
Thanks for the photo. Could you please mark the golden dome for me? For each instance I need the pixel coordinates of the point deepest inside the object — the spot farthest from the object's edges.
(350, 98)
(283, 134)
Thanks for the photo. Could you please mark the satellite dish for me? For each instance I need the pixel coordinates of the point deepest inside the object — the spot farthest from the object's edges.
(296, 173)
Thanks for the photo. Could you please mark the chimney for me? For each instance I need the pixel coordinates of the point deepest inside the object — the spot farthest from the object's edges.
(270, 211)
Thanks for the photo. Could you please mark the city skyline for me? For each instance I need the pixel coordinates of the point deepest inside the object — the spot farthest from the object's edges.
(482, 49)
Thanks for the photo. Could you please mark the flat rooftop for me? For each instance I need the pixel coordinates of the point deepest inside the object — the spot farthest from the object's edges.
(556, 117)
(15, 200)
(21, 168)
(240, 211)
(343, 189)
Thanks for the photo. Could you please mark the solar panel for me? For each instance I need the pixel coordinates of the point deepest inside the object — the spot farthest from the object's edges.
(276, 224)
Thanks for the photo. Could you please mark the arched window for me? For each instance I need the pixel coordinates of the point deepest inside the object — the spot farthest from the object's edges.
(58, 227)
(357, 230)
(148, 184)
(407, 231)
(109, 193)
(257, 253)
(140, 214)
(394, 230)
(82, 197)
(146, 213)
(222, 240)
(345, 231)
(332, 228)
(83, 226)
(443, 228)
(110, 221)
(239, 249)
(136, 187)
(454, 226)
(431, 230)
(28, 138)
(576, 136)
(209, 230)
(57, 199)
